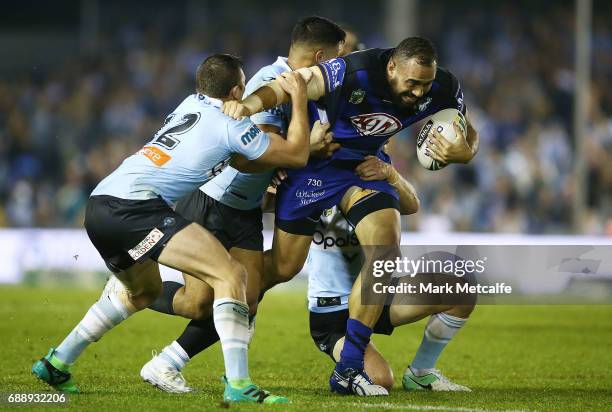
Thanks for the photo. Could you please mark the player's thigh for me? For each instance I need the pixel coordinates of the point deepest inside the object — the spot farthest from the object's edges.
(288, 254)
(375, 216)
(253, 261)
(195, 251)
(405, 314)
(376, 366)
(382, 227)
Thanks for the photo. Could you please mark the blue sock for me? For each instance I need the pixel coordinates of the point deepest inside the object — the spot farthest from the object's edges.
(356, 340)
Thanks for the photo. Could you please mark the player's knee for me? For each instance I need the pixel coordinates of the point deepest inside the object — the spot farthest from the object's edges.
(144, 296)
(236, 274)
(383, 376)
(462, 311)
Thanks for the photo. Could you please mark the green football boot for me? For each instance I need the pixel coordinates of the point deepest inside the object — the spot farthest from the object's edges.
(430, 379)
(54, 373)
(249, 392)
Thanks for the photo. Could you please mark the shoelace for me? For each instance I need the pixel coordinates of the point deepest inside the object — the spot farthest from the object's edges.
(174, 376)
(440, 376)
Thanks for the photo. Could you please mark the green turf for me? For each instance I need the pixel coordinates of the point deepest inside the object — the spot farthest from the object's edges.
(513, 357)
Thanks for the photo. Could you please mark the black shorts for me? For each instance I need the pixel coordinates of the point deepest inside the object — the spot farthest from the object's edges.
(232, 227)
(128, 231)
(371, 203)
(328, 328)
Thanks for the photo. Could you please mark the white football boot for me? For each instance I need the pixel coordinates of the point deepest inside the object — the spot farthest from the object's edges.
(164, 376)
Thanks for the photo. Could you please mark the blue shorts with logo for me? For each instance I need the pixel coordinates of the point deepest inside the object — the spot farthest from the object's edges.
(307, 192)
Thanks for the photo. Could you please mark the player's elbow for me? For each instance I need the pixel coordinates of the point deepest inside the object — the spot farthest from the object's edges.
(412, 206)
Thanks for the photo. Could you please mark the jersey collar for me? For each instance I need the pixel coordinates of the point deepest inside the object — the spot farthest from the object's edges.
(282, 62)
(209, 100)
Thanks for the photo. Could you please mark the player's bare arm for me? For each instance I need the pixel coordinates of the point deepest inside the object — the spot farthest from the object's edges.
(273, 94)
(462, 150)
(373, 168)
(292, 152)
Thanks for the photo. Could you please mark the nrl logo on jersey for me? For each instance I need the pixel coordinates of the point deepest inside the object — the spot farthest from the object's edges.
(424, 104)
(357, 96)
(376, 124)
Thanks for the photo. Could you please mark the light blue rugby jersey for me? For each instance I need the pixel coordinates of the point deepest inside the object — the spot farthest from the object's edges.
(333, 263)
(245, 191)
(193, 146)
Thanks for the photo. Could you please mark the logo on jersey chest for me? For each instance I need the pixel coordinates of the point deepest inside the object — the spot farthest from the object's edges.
(357, 96)
(376, 124)
(424, 104)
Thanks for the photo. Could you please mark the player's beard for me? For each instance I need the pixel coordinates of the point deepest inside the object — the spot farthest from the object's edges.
(398, 98)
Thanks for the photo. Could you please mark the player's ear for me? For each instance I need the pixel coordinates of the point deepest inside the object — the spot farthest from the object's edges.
(236, 92)
(319, 56)
(391, 67)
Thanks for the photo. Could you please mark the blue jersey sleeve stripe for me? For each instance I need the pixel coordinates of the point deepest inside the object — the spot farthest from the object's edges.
(333, 73)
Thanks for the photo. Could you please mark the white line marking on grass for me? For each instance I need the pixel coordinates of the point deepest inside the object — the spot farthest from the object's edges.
(413, 407)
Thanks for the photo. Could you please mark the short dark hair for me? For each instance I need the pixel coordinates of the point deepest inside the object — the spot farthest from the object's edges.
(418, 48)
(217, 74)
(315, 30)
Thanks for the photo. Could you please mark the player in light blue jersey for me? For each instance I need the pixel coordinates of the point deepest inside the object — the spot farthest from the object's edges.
(333, 264)
(130, 221)
(230, 207)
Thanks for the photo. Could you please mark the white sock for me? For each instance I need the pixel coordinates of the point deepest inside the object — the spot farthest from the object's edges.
(232, 323)
(175, 355)
(438, 332)
(101, 317)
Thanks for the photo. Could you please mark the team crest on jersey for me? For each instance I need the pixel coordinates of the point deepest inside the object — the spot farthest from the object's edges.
(424, 104)
(376, 124)
(357, 96)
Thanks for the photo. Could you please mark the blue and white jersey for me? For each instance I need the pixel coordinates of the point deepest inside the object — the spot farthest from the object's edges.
(333, 263)
(194, 145)
(245, 191)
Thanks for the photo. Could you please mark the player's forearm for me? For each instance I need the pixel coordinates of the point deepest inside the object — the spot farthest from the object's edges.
(298, 134)
(472, 139)
(409, 201)
(266, 97)
(272, 94)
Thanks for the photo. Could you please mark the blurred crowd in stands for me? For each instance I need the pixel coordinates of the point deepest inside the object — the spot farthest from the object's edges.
(64, 128)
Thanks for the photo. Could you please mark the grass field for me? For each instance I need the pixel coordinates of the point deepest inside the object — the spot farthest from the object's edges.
(513, 357)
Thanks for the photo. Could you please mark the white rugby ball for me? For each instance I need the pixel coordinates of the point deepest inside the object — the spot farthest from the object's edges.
(441, 121)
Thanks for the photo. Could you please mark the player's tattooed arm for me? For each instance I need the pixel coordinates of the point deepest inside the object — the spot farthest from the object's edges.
(273, 94)
(462, 150)
(373, 168)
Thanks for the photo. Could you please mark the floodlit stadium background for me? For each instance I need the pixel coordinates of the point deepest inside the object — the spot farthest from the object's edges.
(85, 83)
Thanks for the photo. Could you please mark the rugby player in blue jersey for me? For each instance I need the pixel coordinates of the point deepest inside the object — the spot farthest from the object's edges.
(334, 261)
(130, 221)
(367, 97)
